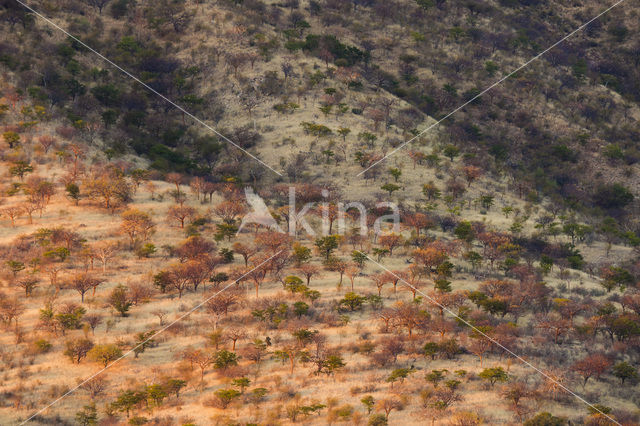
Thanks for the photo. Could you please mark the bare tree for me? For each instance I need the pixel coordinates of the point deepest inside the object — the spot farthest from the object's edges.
(12, 212)
(83, 282)
(180, 213)
(105, 251)
(234, 334)
(93, 320)
(161, 315)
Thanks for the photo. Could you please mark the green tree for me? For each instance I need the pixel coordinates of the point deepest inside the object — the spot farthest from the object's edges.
(431, 191)
(435, 377)
(451, 152)
(613, 276)
(15, 267)
(379, 419)
(87, 416)
(344, 132)
(119, 300)
(486, 201)
(326, 245)
(431, 349)
(396, 173)
(494, 375)
(143, 341)
(352, 301)
(127, 400)
(623, 371)
(242, 383)
(332, 364)
(369, 402)
(358, 258)
(174, 386)
(545, 419)
(105, 353)
(464, 231)
(69, 318)
(224, 359)
(226, 396)
(73, 192)
(11, 138)
(609, 229)
(474, 258)
(225, 230)
(294, 284)
(399, 374)
(301, 254)
(390, 188)
(76, 349)
(613, 196)
(300, 308)
(156, 393)
(20, 168)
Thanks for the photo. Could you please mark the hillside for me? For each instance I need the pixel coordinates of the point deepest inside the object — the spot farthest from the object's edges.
(506, 292)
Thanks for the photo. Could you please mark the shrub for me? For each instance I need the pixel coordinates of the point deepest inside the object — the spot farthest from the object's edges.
(612, 196)
(42, 346)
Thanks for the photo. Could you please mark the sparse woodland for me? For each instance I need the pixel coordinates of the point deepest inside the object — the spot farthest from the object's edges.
(119, 214)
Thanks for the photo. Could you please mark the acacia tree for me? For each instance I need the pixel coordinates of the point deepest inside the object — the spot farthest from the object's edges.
(409, 316)
(119, 299)
(197, 185)
(234, 334)
(337, 265)
(93, 320)
(95, 387)
(391, 241)
(480, 344)
(201, 358)
(329, 212)
(137, 225)
(83, 282)
(197, 271)
(258, 272)
(179, 278)
(380, 280)
(104, 251)
(429, 257)
(418, 221)
(180, 213)
(108, 185)
(244, 250)
(555, 324)
(290, 351)
(98, 4)
(105, 354)
(220, 305)
(28, 284)
(236, 60)
(471, 173)
(309, 270)
(76, 349)
(352, 271)
(194, 247)
(388, 405)
(46, 141)
(29, 209)
(12, 212)
(493, 244)
(594, 364)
